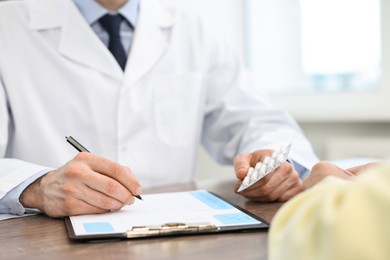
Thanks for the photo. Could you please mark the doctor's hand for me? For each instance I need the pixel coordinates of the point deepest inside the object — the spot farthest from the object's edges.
(279, 185)
(86, 184)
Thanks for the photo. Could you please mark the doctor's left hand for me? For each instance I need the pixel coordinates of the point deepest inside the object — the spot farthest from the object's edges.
(280, 185)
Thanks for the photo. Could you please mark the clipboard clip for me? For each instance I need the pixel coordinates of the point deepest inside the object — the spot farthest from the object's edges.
(170, 229)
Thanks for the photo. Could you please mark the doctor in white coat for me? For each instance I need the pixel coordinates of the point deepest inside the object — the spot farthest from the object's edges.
(182, 86)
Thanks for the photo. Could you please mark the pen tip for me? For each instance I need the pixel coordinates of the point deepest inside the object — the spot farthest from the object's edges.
(138, 197)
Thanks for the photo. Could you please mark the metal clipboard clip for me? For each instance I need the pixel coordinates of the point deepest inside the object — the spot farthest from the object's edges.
(171, 229)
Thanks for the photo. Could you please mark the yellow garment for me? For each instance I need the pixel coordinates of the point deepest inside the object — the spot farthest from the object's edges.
(336, 219)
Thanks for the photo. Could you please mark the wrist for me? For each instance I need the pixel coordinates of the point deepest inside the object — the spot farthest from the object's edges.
(30, 197)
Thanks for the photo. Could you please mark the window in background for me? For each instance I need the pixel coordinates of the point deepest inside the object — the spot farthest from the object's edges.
(298, 47)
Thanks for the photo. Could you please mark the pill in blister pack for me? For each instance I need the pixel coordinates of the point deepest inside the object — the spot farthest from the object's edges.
(268, 165)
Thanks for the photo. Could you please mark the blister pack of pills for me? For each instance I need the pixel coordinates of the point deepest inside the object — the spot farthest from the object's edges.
(268, 165)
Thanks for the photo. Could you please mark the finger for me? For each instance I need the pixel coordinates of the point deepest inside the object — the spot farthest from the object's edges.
(254, 196)
(87, 209)
(267, 192)
(287, 189)
(237, 185)
(79, 207)
(324, 169)
(109, 187)
(290, 193)
(256, 192)
(70, 207)
(254, 187)
(273, 179)
(100, 200)
(241, 165)
(267, 185)
(81, 174)
(113, 170)
(137, 190)
(357, 169)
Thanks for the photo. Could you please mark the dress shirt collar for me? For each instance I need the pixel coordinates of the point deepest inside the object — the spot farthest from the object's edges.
(93, 11)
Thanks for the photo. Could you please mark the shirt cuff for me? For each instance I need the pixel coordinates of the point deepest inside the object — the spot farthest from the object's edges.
(10, 203)
(302, 171)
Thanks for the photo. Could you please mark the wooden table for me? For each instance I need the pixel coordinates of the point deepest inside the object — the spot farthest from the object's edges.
(41, 237)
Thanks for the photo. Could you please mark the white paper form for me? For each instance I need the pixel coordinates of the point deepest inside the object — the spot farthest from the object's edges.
(198, 206)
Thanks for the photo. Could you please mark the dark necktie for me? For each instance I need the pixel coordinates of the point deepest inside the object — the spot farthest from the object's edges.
(111, 24)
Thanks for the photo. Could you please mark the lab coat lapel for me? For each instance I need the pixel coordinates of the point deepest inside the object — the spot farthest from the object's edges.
(150, 40)
(77, 40)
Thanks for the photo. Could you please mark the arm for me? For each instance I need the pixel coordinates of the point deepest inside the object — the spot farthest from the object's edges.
(240, 118)
(335, 219)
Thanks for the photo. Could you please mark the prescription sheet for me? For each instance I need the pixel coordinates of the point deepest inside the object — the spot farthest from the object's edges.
(197, 206)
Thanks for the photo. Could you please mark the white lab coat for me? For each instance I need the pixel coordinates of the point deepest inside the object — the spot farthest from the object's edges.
(182, 86)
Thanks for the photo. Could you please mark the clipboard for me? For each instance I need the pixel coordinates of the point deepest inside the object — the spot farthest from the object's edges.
(166, 214)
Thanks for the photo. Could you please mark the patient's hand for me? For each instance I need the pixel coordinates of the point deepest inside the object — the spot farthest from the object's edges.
(324, 169)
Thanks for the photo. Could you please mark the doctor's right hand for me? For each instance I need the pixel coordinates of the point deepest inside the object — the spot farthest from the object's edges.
(86, 184)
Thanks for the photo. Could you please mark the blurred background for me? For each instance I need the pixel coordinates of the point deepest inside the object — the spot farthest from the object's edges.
(327, 62)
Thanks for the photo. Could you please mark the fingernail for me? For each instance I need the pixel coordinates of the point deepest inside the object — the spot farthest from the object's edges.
(131, 201)
(138, 191)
